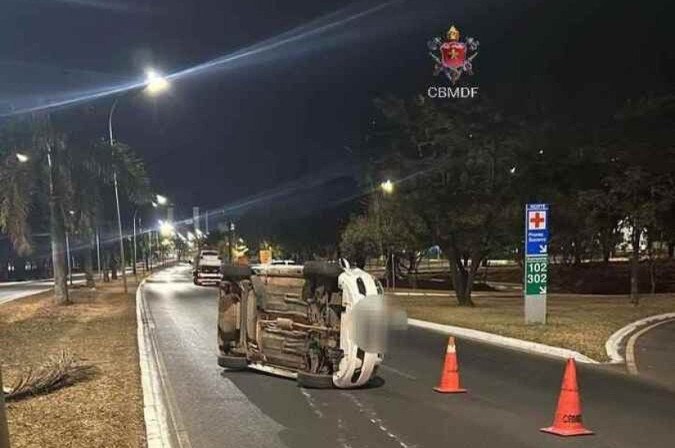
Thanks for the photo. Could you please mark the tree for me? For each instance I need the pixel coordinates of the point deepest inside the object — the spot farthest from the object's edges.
(44, 147)
(360, 240)
(61, 175)
(642, 179)
(389, 229)
(459, 162)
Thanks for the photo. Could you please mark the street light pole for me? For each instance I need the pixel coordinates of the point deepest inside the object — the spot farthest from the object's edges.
(153, 85)
(70, 264)
(150, 249)
(386, 188)
(117, 200)
(98, 254)
(230, 241)
(134, 222)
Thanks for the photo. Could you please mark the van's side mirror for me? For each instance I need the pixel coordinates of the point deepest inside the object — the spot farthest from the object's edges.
(190, 261)
(220, 257)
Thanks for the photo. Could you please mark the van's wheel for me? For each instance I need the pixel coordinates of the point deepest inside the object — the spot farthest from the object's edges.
(232, 362)
(315, 380)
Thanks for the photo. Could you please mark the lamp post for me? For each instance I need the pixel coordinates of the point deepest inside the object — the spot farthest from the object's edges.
(230, 241)
(160, 200)
(98, 254)
(133, 219)
(386, 188)
(153, 85)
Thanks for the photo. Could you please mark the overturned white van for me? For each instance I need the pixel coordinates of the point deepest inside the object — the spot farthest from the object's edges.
(299, 321)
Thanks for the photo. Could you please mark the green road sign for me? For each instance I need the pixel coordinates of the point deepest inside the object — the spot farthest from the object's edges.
(536, 276)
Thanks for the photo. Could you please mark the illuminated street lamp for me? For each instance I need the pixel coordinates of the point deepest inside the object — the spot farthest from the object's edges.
(160, 200)
(387, 186)
(166, 229)
(154, 84)
(22, 158)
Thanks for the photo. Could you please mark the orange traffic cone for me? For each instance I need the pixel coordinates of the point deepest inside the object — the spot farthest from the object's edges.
(567, 420)
(450, 376)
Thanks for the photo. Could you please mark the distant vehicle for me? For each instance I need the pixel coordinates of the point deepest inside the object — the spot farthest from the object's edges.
(206, 267)
(299, 321)
(282, 262)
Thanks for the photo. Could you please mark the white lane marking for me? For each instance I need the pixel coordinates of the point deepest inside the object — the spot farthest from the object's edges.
(398, 372)
(341, 434)
(377, 421)
(311, 403)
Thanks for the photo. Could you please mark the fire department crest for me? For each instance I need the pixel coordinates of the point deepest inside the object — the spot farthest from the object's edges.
(452, 56)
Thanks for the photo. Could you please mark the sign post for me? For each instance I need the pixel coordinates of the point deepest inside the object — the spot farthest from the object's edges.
(535, 280)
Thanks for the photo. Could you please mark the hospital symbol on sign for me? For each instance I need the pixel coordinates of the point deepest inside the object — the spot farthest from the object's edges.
(536, 220)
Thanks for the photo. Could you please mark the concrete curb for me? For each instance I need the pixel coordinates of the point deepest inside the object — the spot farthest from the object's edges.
(614, 342)
(503, 341)
(417, 294)
(154, 410)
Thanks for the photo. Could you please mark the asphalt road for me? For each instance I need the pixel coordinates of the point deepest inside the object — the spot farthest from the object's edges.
(655, 354)
(511, 394)
(15, 290)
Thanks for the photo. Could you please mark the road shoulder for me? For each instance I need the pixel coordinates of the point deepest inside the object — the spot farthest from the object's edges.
(615, 344)
(649, 353)
(163, 422)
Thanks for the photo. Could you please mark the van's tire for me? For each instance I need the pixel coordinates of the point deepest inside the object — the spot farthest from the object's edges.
(232, 362)
(322, 269)
(315, 381)
(235, 272)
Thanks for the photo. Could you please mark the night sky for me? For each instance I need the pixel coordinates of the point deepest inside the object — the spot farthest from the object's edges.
(283, 117)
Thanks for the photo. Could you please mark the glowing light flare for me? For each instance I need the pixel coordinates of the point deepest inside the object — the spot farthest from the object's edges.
(387, 186)
(166, 229)
(22, 158)
(161, 200)
(155, 83)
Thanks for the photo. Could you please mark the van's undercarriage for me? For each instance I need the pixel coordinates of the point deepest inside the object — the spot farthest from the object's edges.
(287, 320)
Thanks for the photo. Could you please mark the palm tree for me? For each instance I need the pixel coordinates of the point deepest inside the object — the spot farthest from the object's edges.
(61, 174)
(91, 167)
(23, 189)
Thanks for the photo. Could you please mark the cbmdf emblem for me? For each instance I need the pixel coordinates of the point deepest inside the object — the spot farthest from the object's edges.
(452, 56)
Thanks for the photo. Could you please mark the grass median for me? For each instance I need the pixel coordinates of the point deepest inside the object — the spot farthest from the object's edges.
(99, 328)
(578, 322)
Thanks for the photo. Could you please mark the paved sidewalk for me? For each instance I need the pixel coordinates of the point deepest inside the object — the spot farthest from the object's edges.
(655, 354)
